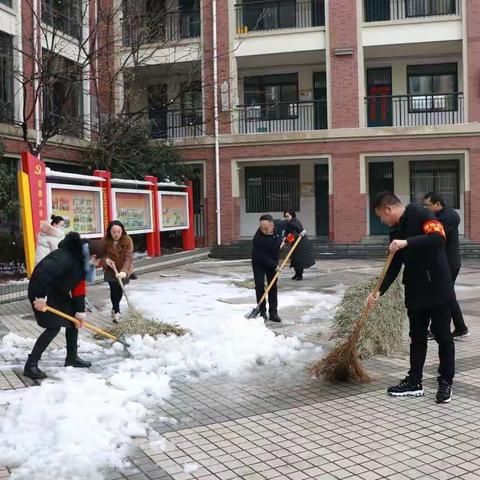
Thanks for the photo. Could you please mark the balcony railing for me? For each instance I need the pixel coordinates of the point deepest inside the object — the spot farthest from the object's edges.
(171, 27)
(279, 14)
(282, 117)
(176, 124)
(415, 110)
(388, 10)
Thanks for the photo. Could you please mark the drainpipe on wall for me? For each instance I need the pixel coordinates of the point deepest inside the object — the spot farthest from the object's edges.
(215, 121)
(37, 55)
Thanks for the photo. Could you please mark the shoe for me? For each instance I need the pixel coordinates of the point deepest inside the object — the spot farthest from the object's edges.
(406, 388)
(444, 392)
(264, 315)
(33, 372)
(457, 335)
(299, 279)
(294, 277)
(430, 336)
(273, 317)
(117, 317)
(77, 362)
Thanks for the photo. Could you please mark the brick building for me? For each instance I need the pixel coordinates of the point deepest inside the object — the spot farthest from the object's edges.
(320, 105)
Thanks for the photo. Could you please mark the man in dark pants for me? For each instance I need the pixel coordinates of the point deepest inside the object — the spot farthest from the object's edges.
(418, 238)
(265, 255)
(450, 221)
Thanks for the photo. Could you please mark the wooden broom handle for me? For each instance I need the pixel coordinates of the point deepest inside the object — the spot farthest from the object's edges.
(74, 320)
(282, 266)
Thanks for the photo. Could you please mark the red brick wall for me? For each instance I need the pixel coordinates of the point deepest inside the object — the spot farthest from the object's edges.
(28, 64)
(347, 205)
(342, 32)
(473, 36)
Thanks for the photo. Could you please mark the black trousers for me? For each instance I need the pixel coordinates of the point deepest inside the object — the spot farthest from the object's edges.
(44, 340)
(259, 275)
(457, 316)
(116, 295)
(440, 326)
(299, 272)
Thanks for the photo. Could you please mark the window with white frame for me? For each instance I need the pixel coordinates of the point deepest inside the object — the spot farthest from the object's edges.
(6, 78)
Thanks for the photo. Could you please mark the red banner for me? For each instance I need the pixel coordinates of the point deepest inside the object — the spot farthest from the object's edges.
(35, 169)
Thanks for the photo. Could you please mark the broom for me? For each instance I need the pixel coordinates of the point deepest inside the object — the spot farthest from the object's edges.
(343, 363)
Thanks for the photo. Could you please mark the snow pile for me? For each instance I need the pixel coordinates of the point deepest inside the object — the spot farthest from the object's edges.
(76, 426)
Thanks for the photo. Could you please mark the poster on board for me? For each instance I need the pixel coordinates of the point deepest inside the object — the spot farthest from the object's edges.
(134, 209)
(173, 210)
(80, 206)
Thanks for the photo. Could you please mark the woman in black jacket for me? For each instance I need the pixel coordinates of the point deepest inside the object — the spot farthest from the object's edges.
(59, 281)
(302, 257)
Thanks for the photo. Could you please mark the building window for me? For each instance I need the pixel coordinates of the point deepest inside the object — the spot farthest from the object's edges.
(424, 8)
(62, 95)
(271, 97)
(64, 16)
(8, 3)
(432, 88)
(442, 176)
(6, 78)
(272, 189)
(191, 101)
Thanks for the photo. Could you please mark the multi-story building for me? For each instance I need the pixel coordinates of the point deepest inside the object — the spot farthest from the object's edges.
(320, 104)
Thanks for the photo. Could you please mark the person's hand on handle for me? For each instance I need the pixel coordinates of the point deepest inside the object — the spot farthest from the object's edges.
(81, 317)
(372, 299)
(397, 245)
(303, 233)
(39, 304)
(121, 275)
(277, 268)
(110, 263)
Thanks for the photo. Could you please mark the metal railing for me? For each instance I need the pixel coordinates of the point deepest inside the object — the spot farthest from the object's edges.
(279, 14)
(176, 124)
(168, 27)
(415, 110)
(282, 117)
(387, 10)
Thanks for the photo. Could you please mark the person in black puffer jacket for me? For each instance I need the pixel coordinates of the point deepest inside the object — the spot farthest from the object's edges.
(302, 257)
(59, 281)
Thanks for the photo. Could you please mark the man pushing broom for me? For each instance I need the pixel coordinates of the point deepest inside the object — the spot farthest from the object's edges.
(417, 237)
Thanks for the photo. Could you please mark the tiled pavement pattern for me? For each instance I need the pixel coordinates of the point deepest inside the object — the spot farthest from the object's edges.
(281, 424)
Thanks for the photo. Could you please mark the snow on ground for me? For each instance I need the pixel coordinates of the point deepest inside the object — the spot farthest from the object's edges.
(79, 423)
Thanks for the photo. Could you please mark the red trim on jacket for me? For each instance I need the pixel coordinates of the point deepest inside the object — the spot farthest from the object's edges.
(80, 289)
(434, 226)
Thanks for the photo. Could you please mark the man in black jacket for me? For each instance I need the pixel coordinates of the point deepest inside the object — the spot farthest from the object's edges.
(265, 256)
(450, 220)
(418, 239)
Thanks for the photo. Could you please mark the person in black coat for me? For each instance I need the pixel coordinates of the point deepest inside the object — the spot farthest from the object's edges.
(59, 281)
(302, 257)
(450, 220)
(418, 240)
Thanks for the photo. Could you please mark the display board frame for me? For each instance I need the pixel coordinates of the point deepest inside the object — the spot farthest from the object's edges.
(162, 194)
(147, 193)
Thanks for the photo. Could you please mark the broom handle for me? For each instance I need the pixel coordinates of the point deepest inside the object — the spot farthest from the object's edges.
(282, 266)
(122, 286)
(74, 320)
(380, 280)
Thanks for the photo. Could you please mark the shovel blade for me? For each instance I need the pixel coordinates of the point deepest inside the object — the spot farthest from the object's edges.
(253, 313)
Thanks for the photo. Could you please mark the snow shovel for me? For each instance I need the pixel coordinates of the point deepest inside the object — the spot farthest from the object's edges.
(255, 312)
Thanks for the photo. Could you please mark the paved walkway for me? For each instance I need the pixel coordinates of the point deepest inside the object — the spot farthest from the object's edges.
(273, 425)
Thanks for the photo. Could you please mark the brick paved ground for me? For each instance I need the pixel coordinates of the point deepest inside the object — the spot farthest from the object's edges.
(272, 424)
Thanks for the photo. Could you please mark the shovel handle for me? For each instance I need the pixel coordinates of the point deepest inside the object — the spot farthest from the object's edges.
(122, 286)
(74, 320)
(282, 266)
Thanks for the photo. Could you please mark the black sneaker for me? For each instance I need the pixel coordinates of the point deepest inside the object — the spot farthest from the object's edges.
(430, 336)
(275, 318)
(264, 315)
(444, 392)
(458, 334)
(33, 372)
(406, 388)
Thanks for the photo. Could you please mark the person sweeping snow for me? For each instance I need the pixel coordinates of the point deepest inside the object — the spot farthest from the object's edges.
(59, 281)
(418, 241)
(119, 255)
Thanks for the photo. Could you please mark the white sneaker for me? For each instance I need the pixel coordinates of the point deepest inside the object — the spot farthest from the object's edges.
(116, 317)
